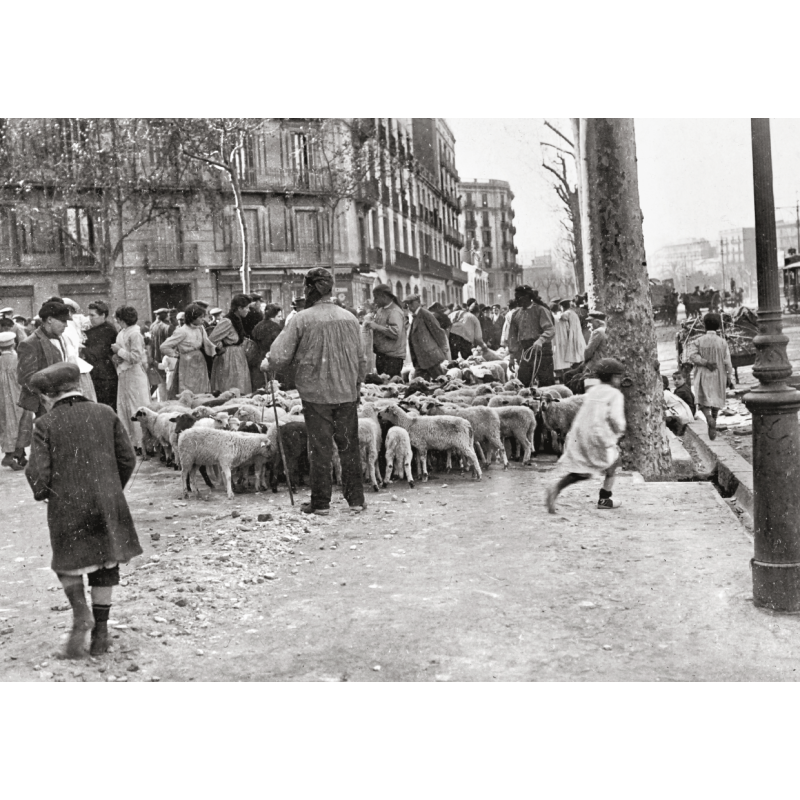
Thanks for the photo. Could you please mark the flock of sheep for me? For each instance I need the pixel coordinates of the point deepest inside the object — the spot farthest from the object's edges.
(234, 438)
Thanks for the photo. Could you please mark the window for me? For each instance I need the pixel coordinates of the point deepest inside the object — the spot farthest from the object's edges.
(485, 200)
(253, 234)
(485, 219)
(468, 198)
(280, 229)
(487, 238)
(408, 289)
(222, 230)
(487, 258)
(40, 236)
(307, 233)
(6, 230)
(80, 227)
(398, 290)
(300, 158)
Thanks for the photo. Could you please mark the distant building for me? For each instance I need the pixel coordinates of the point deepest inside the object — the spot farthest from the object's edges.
(477, 284)
(548, 277)
(674, 259)
(489, 232)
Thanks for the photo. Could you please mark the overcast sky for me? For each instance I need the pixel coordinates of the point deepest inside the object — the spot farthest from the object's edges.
(695, 175)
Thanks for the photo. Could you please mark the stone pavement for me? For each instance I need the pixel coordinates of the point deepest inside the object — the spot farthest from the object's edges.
(465, 581)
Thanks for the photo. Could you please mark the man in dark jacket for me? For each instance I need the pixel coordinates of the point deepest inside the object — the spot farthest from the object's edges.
(80, 461)
(440, 312)
(530, 336)
(426, 341)
(254, 316)
(97, 351)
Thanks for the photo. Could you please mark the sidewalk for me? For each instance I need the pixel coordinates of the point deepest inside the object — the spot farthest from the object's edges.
(465, 581)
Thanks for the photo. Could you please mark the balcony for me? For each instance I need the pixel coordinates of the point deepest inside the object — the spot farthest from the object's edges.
(169, 256)
(369, 191)
(513, 230)
(459, 276)
(282, 180)
(512, 213)
(469, 204)
(404, 207)
(504, 225)
(436, 269)
(303, 256)
(375, 257)
(404, 264)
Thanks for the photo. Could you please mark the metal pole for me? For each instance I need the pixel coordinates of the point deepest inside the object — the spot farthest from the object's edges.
(774, 406)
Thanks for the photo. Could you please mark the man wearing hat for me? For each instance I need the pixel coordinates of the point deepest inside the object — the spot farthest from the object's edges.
(298, 304)
(159, 333)
(81, 459)
(323, 346)
(388, 332)
(97, 351)
(19, 330)
(254, 316)
(595, 349)
(10, 412)
(426, 341)
(530, 335)
(43, 348)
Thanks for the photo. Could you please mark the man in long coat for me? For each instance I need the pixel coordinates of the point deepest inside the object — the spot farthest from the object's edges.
(81, 459)
(97, 351)
(426, 341)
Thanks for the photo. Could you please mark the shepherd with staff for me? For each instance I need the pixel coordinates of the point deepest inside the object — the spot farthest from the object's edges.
(323, 346)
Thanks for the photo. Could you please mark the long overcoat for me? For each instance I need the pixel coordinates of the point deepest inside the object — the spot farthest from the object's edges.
(34, 354)
(427, 341)
(81, 459)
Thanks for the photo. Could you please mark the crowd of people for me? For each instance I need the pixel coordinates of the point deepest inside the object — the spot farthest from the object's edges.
(71, 384)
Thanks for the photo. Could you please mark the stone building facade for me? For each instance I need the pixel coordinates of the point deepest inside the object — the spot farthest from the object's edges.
(489, 231)
(399, 225)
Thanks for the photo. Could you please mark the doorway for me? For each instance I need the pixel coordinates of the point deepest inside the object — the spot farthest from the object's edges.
(170, 295)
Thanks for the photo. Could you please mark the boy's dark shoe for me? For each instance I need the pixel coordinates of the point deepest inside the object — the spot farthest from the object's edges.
(608, 502)
(10, 461)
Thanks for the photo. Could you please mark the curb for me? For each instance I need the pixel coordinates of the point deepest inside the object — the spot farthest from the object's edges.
(682, 465)
(734, 473)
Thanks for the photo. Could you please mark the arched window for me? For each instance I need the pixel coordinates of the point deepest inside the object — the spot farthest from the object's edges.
(408, 290)
(424, 296)
(399, 290)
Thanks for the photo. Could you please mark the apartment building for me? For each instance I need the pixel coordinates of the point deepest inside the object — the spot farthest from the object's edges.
(489, 232)
(392, 218)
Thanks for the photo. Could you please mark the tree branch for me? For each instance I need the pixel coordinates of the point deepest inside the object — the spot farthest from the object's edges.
(558, 132)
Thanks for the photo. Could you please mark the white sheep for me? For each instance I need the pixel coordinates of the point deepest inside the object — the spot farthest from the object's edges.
(486, 430)
(518, 423)
(398, 456)
(435, 433)
(558, 416)
(160, 426)
(370, 440)
(229, 450)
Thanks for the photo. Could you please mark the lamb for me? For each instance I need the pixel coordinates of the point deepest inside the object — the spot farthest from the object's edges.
(519, 424)
(370, 442)
(207, 447)
(558, 390)
(435, 433)
(398, 456)
(558, 416)
(185, 422)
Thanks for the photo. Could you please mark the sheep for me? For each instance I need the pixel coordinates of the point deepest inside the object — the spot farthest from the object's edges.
(486, 429)
(159, 425)
(262, 414)
(435, 433)
(558, 416)
(184, 422)
(187, 397)
(483, 400)
(519, 424)
(370, 441)
(505, 400)
(206, 447)
(295, 446)
(557, 390)
(398, 456)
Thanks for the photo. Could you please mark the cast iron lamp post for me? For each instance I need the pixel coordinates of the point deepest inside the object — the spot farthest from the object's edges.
(774, 406)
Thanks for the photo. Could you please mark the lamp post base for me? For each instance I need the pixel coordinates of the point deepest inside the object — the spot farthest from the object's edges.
(776, 512)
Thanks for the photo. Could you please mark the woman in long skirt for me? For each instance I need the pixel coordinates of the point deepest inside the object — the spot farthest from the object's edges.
(188, 344)
(230, 370)
(10, 412)
(133, 390)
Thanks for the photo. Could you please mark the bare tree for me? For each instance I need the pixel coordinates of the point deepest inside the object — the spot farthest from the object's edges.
(85, 185)
(219, 145)
(555, 162)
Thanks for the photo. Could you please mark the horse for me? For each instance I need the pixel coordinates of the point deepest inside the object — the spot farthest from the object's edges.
(695, 303)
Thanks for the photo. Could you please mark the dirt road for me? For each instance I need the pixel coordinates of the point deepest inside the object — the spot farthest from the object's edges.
(453, 580)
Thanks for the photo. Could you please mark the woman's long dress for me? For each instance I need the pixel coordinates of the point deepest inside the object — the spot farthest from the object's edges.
(188, 344)
(134, 388)
(230, 370)
(10, 412)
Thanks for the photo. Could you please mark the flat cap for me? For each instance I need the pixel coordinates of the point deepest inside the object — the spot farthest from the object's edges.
(51, 379)
(201, 303)
(215, 311)
(161, 311)
(6, 337)
(596, 315)
(7, 310)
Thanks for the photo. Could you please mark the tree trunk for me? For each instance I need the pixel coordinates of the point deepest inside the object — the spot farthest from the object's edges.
(577, 240)
(244, 268)
(621, 286)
